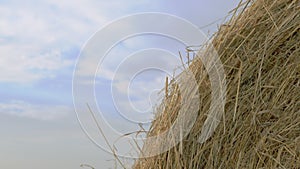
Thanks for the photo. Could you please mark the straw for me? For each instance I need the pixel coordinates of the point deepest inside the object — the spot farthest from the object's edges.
(260, 51)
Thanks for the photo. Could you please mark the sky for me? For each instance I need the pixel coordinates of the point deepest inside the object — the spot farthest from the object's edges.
(40, 43)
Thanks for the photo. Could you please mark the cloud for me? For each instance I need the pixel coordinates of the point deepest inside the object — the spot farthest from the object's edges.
(34, 37)
(35, 29)
(16, 66)
(34, 111)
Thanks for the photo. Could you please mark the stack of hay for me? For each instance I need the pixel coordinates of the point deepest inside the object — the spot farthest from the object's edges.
(260, 51)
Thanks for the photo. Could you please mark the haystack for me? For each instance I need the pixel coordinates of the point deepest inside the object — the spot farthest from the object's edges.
(259, 48)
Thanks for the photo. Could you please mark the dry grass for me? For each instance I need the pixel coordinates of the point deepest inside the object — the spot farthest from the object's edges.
(260, 50)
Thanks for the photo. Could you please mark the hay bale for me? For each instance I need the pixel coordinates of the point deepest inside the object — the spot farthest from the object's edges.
(260, 50)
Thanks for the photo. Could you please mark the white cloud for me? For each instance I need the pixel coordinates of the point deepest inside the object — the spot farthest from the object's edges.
(41, 29)
(34, 111)
(16, 66)
(34, 36)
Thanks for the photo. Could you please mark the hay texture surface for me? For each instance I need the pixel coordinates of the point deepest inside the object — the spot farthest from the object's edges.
(260, 51)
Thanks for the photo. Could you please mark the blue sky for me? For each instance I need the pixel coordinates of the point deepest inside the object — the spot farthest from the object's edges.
(39, 44)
